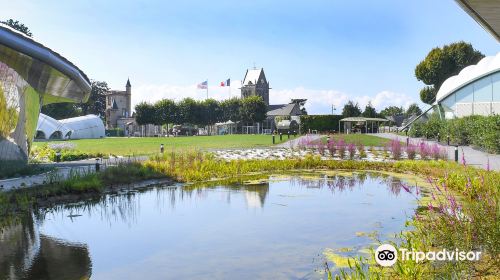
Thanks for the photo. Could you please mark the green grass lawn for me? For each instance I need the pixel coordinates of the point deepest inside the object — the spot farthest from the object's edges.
(365, 139)
(150, 145)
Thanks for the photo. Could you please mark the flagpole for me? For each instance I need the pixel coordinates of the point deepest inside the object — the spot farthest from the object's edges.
(207, 88)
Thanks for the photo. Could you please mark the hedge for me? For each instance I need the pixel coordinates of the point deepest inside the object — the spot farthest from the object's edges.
(115, 132)
(479, 131)
(321, 123)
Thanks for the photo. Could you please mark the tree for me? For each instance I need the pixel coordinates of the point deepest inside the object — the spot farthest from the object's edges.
(97, 101)
(166, 111)
(188, 111)
(428, 94)
(369, 111)
(62, 110)
(351, 110)
(442, 63)
(413, 109)
(145, 113)
(253, 109)
(18, 26)
(230, 109)
(392, 111)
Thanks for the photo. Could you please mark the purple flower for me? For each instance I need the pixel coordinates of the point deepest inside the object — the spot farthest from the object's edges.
(406, 188)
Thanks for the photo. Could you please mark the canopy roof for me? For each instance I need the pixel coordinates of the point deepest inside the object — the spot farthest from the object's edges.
(42, 68)
(485, 12)
(363, 119)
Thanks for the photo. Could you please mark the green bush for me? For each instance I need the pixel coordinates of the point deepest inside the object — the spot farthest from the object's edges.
(479, 131)
(115, 132)
(321, 123)
(48, 153)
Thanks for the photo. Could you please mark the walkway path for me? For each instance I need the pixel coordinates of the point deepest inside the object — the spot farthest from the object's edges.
(472, 156)
(62, 170)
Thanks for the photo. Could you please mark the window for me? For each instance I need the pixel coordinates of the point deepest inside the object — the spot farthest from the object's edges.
(109, 100)
(483, 89)
(465, 94)
(495, 79)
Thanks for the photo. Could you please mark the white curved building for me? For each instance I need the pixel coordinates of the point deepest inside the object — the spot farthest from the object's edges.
(474, 91)
(89, 126)
(50, 128)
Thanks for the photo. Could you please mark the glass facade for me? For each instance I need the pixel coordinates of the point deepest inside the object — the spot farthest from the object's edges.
(481, 97)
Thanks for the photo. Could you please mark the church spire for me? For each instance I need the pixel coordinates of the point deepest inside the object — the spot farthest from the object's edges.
(128, 83)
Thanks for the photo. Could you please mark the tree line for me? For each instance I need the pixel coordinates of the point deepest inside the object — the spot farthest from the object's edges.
(352, 109)
(202, 113)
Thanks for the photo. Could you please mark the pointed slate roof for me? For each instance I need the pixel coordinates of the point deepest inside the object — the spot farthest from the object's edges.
(115, 106)
(128, 83)
(252, 76)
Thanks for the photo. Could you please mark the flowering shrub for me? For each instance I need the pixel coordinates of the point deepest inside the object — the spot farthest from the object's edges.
(332, 148)
(62, 146)
(341, 147)
(321, 148)
(438, 152)
(351, 148)
(424, 150)
(411, 151)
(395, 148)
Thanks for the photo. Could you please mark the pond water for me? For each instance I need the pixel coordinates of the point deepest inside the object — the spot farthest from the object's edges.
(281, 228)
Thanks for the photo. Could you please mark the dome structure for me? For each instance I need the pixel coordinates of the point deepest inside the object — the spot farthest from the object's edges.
(89, 126)
(474, 91)
(469, 74)
(50, 128)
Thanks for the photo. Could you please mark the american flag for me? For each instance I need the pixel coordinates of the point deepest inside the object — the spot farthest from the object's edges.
(203, 85)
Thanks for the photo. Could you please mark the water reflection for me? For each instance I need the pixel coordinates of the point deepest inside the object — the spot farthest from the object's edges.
(267, 229)
(27, 254)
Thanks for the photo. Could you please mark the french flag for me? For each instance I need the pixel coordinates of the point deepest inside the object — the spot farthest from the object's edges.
(227, 83)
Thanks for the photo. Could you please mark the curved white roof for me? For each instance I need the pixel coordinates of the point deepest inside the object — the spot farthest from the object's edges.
(48, 126)
(89, 126)
(469, 74)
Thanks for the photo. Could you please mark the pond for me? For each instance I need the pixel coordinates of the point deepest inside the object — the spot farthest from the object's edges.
(284, 227)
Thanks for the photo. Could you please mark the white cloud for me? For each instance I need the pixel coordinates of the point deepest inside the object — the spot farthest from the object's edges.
(318, 101)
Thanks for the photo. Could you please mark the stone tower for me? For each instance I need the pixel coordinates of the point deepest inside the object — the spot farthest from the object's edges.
(255, 83)
(128, 90)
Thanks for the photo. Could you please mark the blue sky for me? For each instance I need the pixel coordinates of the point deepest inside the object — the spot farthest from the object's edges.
(326, 51)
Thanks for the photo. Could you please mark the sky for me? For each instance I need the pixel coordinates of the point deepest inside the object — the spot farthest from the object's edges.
(327, 51)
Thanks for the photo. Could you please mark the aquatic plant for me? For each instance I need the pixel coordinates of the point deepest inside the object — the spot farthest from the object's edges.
(461, 212)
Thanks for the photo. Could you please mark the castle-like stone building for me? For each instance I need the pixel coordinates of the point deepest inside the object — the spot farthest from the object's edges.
(255, 83)
(119, 107)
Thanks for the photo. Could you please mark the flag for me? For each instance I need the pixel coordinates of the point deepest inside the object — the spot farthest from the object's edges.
(203, 85)
(227, 83)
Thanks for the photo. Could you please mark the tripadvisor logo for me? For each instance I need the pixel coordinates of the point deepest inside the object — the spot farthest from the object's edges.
(387, 255)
